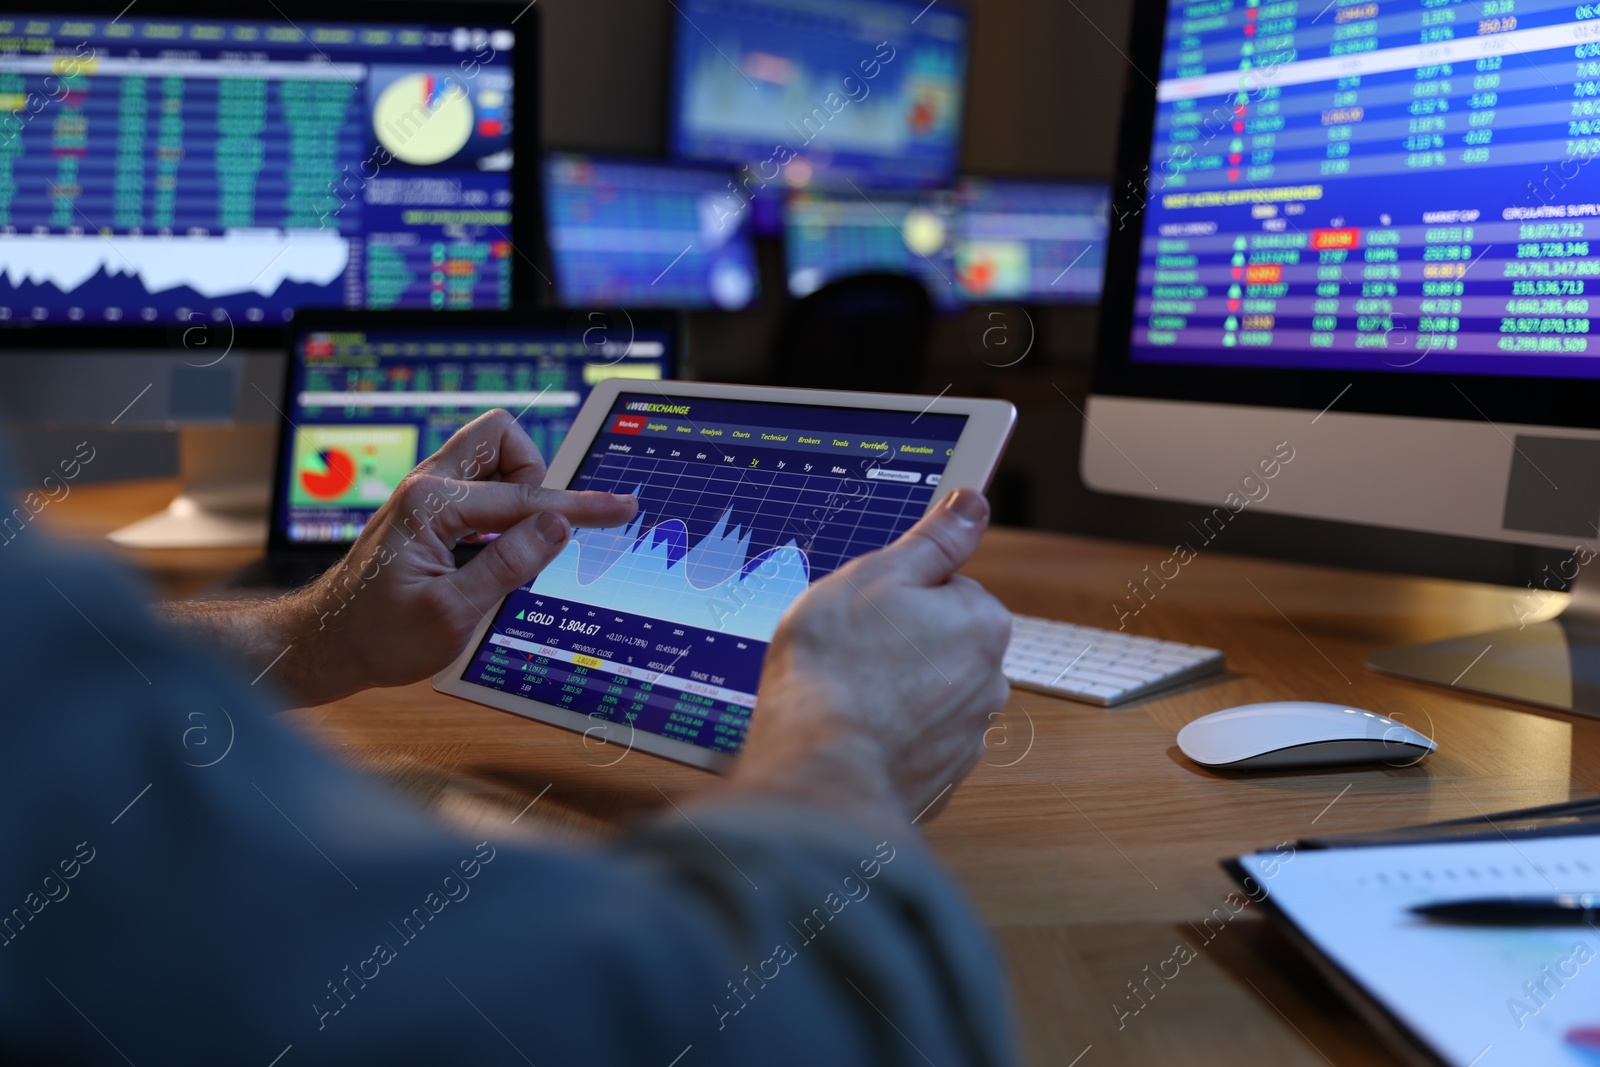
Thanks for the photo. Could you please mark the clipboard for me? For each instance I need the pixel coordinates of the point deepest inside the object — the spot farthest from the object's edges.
(1548, 820)
(1436, 994)
(1390, 1028)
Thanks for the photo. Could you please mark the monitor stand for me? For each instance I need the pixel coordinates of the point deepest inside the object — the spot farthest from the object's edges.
(1553, 664)
(226, 473)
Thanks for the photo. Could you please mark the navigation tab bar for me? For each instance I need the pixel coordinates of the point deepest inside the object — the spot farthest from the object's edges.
(219, 32)
(726, 435)
(397, 399)
(160, 66)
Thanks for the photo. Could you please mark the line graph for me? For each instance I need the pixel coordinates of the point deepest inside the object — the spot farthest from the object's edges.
(721, 548)
(250, 262)
(657, 573)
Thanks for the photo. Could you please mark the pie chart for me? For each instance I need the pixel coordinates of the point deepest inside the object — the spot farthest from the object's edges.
(328, 474)
(1585, 1042)
(978, 276)
(422, 119)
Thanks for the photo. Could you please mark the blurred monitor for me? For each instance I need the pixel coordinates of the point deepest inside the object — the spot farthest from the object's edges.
(819, 93)
(638, 233)
(1031, 242)
(161, 166)
(828, 237)
(372, 393)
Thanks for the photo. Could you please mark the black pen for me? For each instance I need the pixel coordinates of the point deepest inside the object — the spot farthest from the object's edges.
(1558, 909)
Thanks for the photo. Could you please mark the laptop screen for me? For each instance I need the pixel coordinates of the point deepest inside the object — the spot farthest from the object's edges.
(368, 400)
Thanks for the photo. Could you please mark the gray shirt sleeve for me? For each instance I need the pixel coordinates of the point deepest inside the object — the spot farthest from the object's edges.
(183, 880)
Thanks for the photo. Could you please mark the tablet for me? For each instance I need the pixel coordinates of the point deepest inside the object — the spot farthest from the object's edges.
(651, 635)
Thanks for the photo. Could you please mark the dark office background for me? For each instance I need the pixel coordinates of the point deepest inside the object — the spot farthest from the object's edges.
(1045, 83)
(1043, 98)
(1044, 94)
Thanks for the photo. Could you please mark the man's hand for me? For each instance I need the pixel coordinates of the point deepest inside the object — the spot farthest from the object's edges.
(396, 609)
(880, 681)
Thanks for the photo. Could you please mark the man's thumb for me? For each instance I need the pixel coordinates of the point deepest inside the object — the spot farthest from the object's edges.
(941, 542)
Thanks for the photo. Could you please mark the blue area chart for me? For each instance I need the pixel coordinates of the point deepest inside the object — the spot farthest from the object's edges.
(658, 574)
(131, 293)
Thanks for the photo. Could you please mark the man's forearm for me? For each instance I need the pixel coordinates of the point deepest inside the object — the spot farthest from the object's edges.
(277, 641)
(843, 775)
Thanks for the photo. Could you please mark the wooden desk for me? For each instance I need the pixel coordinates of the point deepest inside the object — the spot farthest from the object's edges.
(1088, 843)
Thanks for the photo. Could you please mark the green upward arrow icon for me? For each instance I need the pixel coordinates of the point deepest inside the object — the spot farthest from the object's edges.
(520, 614)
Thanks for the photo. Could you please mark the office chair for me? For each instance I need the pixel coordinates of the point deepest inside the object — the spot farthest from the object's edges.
(864, 332)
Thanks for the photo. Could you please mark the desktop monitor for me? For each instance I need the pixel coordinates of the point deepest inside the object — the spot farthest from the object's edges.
(645, 234)
(177, 177)
(176, 163)
(819, 93)
(370, 394)
(828, 237)
(1363, 239)
(1031, 242)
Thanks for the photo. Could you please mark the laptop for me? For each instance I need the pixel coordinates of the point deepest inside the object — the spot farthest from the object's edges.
(369, 394)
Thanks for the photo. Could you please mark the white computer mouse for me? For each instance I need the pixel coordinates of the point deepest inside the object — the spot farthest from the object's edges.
(1299, 733)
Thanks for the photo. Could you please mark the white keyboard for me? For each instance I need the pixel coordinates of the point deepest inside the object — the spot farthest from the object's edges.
(1099, 666)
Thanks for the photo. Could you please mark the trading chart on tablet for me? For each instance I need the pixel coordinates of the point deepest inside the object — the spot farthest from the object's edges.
(662, 624)
(157, 169)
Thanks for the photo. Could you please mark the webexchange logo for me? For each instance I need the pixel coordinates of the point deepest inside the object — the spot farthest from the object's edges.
(650, 408)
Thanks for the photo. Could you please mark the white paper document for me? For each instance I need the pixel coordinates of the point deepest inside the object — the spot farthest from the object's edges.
(1476, 996)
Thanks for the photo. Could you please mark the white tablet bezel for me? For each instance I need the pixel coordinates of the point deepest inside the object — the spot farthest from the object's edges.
(972, 464)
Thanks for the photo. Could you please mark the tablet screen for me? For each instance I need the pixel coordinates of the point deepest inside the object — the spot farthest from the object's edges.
(661, 625)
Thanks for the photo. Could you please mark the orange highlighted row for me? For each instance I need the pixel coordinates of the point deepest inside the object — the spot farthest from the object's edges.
(1348, 237)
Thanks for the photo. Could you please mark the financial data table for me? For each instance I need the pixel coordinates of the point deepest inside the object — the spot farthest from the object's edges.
(1365, 185)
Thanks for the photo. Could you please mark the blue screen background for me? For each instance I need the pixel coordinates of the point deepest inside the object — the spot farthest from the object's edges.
(171, 170)
(984, 241)
(640, 234)
(747, 77)
(1037, 242)
(1396, 188)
